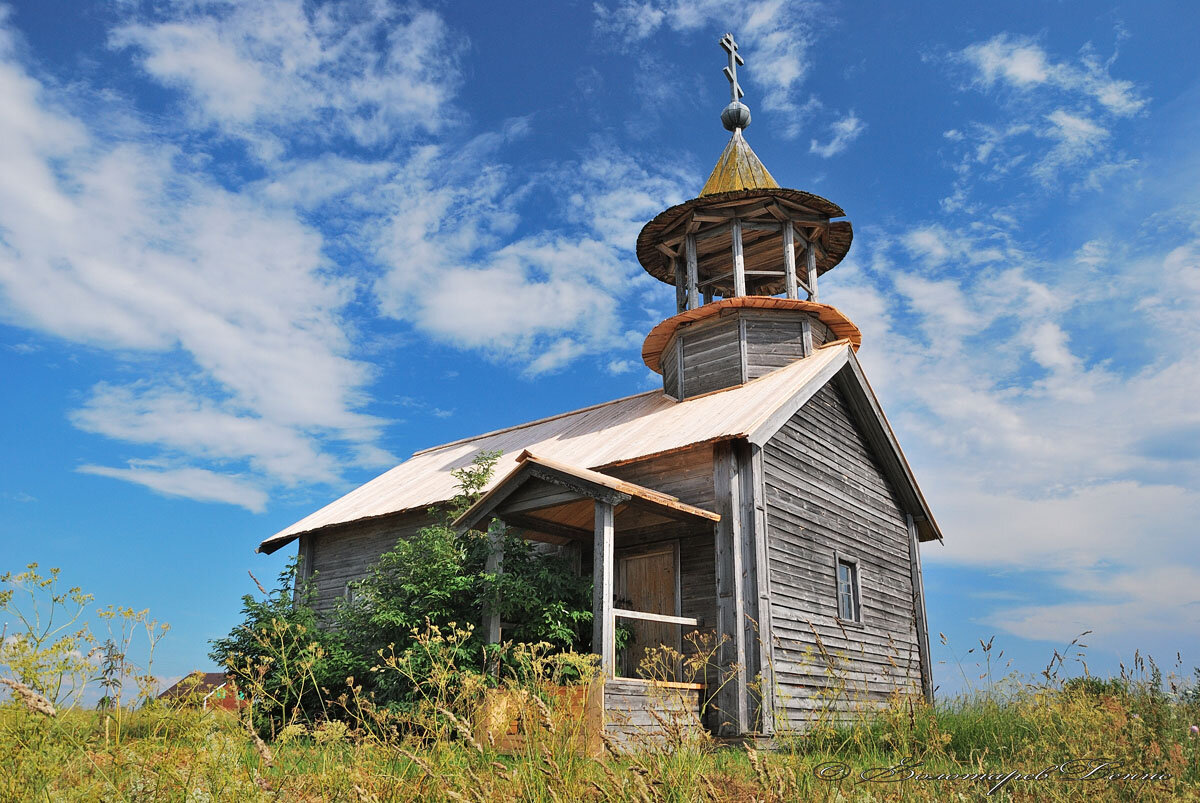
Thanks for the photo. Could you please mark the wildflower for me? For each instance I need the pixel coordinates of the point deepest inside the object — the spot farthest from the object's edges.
(1195, 729)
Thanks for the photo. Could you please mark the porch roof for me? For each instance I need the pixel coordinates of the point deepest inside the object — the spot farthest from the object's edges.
(544, 495)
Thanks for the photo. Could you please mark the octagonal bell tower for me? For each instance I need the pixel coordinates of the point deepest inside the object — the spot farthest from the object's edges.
(739, 255)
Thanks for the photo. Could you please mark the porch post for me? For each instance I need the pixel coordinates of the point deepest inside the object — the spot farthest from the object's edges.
(603, 643)
(494, 564)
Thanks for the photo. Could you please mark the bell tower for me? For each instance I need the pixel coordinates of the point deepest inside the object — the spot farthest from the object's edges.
(740, 255)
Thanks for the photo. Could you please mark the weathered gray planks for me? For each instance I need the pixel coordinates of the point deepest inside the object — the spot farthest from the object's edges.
(640, 715)
(343, 554)
(824, 492)
(731, 349)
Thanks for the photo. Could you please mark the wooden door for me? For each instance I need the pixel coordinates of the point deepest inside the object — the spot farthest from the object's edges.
(649, 582)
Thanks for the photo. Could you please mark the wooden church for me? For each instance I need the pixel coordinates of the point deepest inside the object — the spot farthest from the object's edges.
(761, 494)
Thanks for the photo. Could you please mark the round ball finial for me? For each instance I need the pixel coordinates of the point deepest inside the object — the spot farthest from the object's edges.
(736, 115)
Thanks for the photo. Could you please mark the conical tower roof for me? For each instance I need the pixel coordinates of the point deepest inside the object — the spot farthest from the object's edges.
(739, 168)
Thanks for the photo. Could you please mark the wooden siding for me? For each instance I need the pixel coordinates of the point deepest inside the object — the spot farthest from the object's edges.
(772, 343)
(825, 493)
(670, 372)
(711, 357)
(685, 474)
(343, 554)
(775, 339)
(640, 715)
(732, 349)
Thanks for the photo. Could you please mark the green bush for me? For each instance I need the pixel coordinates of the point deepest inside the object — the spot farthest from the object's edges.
(435, 579)
(282, 656)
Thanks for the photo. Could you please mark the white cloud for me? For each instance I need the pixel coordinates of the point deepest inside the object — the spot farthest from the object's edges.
(542, 300)
(198, 484)
(844, 131)
(184, 422)
(116, 242)
(130, 237)
(1019, 61)
(1057, 118)
(1022, 64)
(277, 72)
(1077, 138)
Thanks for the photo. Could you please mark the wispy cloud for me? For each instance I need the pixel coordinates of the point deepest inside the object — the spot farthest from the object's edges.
(199, 484)
(279, 72)
(1020, 63)
(234, 294)
(843, 132)
(542, 299)
(118, 242)
(1058, 117)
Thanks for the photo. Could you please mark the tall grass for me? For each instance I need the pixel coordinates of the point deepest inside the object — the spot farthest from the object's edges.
(456, 741)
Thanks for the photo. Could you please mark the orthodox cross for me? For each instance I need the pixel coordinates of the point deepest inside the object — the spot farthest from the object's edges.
(731, 48)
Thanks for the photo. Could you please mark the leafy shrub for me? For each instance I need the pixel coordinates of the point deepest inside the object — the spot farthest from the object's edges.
(433, 581)
(1095, 687)
(282, 656)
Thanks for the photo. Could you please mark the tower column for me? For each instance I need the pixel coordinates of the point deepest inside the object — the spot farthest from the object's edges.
(812, 270)
(693, 271)
(789, 259)
(680, 287)
(739, 260)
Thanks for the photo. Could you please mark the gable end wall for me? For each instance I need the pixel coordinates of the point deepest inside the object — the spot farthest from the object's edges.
(824, 491)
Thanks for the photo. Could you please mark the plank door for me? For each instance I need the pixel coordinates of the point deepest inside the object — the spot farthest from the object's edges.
(649, 582)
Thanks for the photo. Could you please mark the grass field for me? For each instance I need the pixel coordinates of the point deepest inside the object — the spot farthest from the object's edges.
(1051, 738)
(182, 753)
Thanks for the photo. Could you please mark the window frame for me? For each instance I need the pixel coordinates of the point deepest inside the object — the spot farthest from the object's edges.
(840, 558)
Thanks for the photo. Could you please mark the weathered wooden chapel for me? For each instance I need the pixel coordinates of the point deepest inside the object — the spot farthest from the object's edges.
(761, 494)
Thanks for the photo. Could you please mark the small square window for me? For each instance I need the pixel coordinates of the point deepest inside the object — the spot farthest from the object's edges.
(849, 607)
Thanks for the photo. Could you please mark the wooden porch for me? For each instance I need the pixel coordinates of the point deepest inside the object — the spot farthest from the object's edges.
(637, 581)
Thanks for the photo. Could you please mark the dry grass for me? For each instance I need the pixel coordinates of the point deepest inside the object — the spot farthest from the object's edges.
(181, 753)
(441, 747)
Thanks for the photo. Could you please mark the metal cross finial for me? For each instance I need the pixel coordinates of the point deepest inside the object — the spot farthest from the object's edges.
(731, 48)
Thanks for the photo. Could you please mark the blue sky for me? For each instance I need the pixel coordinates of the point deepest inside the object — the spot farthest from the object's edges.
(251, 255)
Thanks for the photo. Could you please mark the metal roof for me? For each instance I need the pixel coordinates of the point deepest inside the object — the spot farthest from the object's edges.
(618, 431)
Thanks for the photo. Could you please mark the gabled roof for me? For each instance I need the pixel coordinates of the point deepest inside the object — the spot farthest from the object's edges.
(621, 431)
(580, 483)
